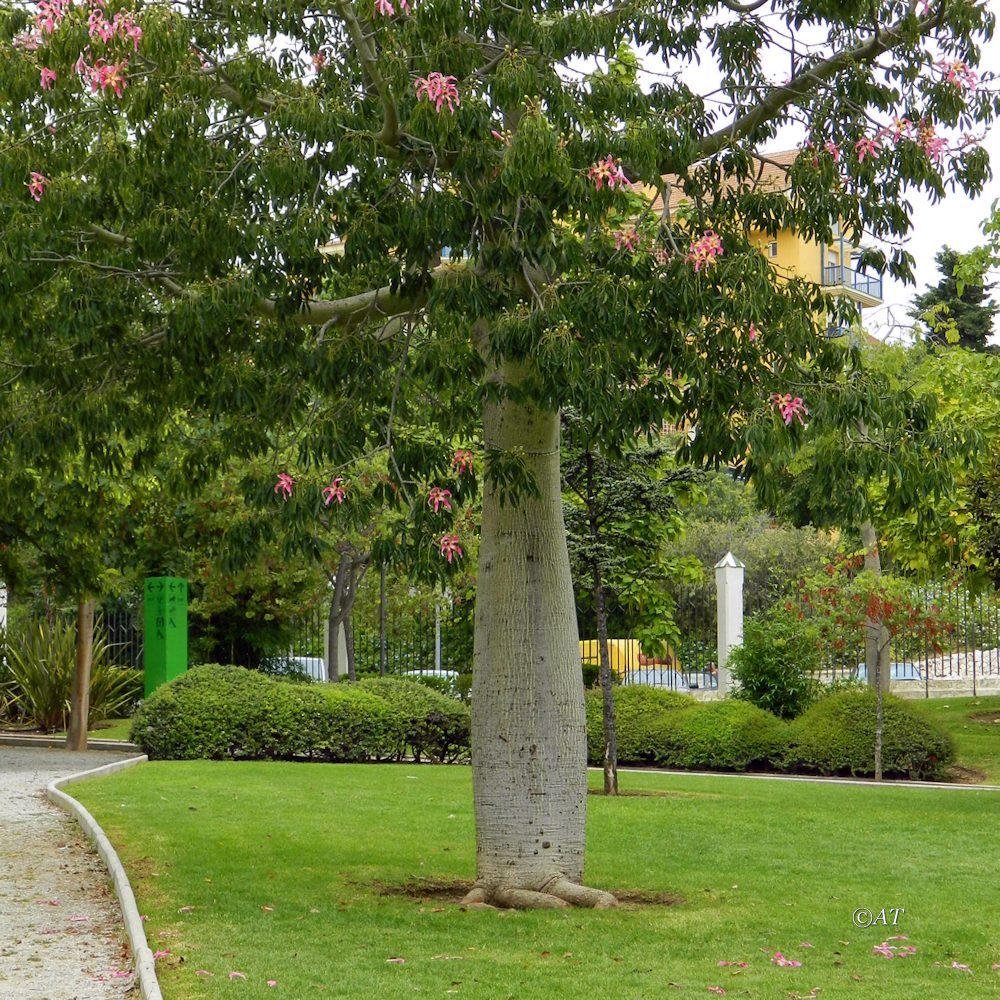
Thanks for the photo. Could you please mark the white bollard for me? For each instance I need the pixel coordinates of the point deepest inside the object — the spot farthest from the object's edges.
(729, 589)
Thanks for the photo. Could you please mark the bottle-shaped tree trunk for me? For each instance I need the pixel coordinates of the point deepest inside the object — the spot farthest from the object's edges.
(528, 720)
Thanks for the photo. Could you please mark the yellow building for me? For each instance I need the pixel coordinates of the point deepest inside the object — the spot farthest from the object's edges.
(832, 265)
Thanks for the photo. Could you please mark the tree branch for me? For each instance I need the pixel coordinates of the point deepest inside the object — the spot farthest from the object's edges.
(801, 86)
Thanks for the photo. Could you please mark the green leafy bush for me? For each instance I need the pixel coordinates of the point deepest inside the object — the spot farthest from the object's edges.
(837, 737)
(776, 665)
(639, 714)
(226, 712)
(37, 681)
(724, 736)
(436, 725)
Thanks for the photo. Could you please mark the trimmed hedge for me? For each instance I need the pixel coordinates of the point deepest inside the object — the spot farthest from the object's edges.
(834, 737)
(837, 736)
(639, 711)
(435, 725)
(223, 712)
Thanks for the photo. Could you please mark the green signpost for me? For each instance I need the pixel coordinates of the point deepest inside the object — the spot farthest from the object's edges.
(166, 638)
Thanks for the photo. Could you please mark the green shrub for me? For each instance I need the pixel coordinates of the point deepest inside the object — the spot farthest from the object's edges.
(639, 711)
(776, 664)
(38, 679)
(224, 712)
(436, 725)
(724, 736)
(837, 737)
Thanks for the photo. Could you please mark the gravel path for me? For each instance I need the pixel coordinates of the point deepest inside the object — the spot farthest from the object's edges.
(61, 933)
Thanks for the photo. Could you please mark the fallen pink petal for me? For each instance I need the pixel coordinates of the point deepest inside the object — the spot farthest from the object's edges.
(396, 961)
(162, 953)
(961, 968)
(785, 963)
(717, 990)
(805, 944)
(272, 982)
(237, 975)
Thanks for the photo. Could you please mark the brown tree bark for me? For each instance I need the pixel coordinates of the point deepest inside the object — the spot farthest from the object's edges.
(79, 705)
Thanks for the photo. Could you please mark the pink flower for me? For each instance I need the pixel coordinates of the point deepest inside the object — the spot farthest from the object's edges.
(959, 74)
(884, 949)
(786, 963)
(36, 187)
(752, 333)
(49, 77)
(607, 171)
(103, 75)
(790, 408)
(462, 462)
(866, 147)
(384, 7)
(284, 484)
(717, 990)
(335, 491)
(438, 497)
(437, 89)
(99, 26)
(237, 975)
(901, 129)
(704, 250)
(833, 149)
(933, 145)
(961, 968)
(503, 137)
(906, 951)
(450, 547)
(319, 60)
(627, 238)
(50, 15)
(162, 953)
(27, 40)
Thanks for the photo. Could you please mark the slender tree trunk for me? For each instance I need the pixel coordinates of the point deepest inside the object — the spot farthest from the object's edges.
(349, 643)
(876, 645)
(529, 765)
(79, 705)
(601, 607)
(383, 635)
(334, 619)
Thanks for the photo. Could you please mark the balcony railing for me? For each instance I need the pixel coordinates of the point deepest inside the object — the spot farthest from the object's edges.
(849, 277)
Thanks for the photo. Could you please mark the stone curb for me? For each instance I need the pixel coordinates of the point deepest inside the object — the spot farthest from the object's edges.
(142, 957)
(867, 782)
(59, 743)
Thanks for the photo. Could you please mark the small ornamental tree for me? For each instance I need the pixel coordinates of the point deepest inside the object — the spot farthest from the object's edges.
(170, 173)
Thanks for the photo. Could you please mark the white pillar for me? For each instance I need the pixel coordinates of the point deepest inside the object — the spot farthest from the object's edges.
(729, 589)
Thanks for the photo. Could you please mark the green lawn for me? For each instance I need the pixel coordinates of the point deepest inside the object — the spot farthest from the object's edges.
(273, 870)
(978, 743)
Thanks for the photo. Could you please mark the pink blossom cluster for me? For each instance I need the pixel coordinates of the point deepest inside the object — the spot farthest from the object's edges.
(284, 485)
(704, 250)
(866, 147)
(48, 78)
(102, 75)
(438, 89)
(450, 547)
(959, 74)
(36, 186)
(607, 171)
(791, 409)
(462, 461)
(335, 491)
(627, 239)
(438, 497)
(120, 26)
(385, 8)
(833, 149)
(933, 145)
(50, 15)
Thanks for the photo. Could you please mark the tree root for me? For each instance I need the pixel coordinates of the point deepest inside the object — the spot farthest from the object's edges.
(558, 893)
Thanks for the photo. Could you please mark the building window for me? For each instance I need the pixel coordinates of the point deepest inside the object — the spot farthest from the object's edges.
(772, 248)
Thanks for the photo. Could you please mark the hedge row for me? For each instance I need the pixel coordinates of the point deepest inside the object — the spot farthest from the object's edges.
(834, 737)
(221, 712)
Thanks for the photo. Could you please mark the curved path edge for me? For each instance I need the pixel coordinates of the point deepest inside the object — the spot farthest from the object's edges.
(142, 956)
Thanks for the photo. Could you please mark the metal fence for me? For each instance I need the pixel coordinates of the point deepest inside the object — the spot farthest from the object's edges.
(966, 651)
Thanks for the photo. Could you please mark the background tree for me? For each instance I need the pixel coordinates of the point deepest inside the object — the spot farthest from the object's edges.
(950, 315)
(621, 515)
(178, 168)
